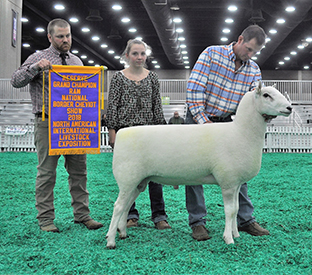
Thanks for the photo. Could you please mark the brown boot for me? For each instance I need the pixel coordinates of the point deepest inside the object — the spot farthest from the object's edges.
(132, 223)
(200, 233)
(50, 228)
(162, 225)
(254, 229)
(91, 224)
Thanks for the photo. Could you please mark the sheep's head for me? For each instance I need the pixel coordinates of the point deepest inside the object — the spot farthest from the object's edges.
(271, 103)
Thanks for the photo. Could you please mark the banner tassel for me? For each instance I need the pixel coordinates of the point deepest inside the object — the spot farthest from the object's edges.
(102, 90)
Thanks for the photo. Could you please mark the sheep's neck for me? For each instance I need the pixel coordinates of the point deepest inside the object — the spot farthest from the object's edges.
(249, 120)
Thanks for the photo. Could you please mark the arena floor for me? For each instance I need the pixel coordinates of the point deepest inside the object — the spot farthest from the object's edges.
(281, 194)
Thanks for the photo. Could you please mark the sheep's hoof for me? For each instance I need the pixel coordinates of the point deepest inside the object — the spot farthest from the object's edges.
(111, 246)
(228, 240)
(123, 237)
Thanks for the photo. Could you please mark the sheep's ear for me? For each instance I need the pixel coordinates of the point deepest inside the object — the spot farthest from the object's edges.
(258, 89)
(274, 85)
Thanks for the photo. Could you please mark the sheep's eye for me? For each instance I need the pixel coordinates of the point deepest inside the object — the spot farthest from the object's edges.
(266, 95)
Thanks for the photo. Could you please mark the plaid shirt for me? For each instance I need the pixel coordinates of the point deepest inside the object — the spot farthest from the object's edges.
(214, 87)
(27, 74)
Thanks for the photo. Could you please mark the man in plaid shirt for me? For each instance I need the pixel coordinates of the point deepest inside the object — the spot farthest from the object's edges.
(219, 79)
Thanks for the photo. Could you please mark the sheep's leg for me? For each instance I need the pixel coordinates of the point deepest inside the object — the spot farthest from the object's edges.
(119, 209)
(230, 210)
(234, 225)
(122, 224)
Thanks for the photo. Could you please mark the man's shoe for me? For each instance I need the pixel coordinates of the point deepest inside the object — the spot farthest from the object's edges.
(91, 224)
(162, 225)
(254, 229)
(200, 233)
(50, 228)
(132, 223)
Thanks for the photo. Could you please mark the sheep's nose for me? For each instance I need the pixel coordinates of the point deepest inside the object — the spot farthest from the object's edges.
(289, 108)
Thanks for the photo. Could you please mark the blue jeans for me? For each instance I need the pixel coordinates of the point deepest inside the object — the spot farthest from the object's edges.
(195, 200)
(157, 204)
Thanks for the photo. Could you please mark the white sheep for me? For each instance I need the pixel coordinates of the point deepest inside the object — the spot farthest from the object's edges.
(227, 154)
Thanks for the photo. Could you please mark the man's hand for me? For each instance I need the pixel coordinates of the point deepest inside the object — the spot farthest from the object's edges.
(43, 65)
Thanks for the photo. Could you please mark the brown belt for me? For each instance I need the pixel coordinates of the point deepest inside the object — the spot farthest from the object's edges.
(220, 119)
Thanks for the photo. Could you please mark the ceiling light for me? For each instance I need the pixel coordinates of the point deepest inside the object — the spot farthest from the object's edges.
(268, 39)
(85, 29)
(224, 39)
(280, 21)
(117, 7)
(226, 30)
(74, 20)
(232, 8)
(293, 53)
(91, 61)
(175, 7)
(181, 38)
(281, 62)
(290, 9)
(306, 67)
(305, 44)
(157, 66)
(272, 31)
(83, 57)
(26, 45)
(254, 58)
(125, 20)
(59, 7)
(179, 30)
(309, 39)
(286, 58)
(186, 62)
(177, 20)
(187, 67)
(256, 16)
(154, 61)
(183, 46)
(40, 29)
(132, 30)
(184, 52)
(114, 34)
(23, 19)
(111, 52)
(300, 47)
(117, 57)
(95, 38)
(185, 57)
(229, 20)
(104, 46)
(94, 15)
(74, 51)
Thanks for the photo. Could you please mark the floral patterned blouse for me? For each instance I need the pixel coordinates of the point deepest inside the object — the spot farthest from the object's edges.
(132, 103)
